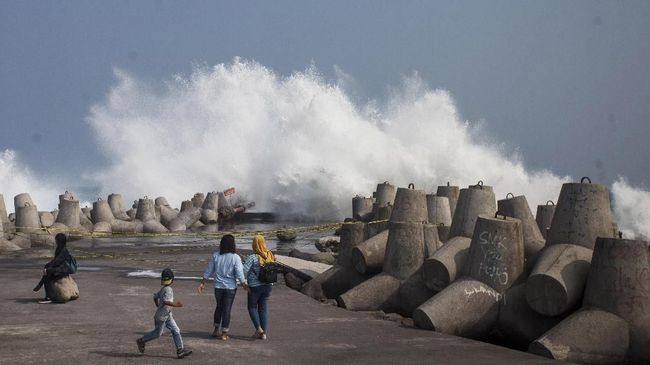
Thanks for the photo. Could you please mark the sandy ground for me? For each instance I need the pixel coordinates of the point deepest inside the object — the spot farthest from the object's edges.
(113, 310)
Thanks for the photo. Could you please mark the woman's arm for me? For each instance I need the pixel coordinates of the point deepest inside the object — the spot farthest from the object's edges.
(248, 264)
(209, 271)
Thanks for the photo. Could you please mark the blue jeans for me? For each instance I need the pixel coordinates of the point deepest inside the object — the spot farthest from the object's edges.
(160, 326)
(257, 298)
(224, 298)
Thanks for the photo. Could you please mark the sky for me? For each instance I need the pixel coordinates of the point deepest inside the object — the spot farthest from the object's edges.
(564, 84)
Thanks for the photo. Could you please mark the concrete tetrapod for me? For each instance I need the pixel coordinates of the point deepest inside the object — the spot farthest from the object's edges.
(185, 219)
(27, 219)
(404, 255)
(557, 282)
(146, 210)
(197, 200)
(167, 214)
(384, 198)
(368, 256)
(451, 193)
(469, 306)
(116, 203)
(101, 212)
(4, 218)
(438, 210)
(362, 208)
(410, 206)
(21, 199)
(162, 201)
(517, 207)
(475, 200)
(385, 194)
(68, 211)
(46, 218)
(518, 324)
(342, 276)
(583, 213)
(614, 324)
(544, 217)
(446, 264)
(412, 293)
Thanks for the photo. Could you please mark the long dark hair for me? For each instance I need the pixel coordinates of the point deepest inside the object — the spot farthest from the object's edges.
(61, 240)
(227, 244)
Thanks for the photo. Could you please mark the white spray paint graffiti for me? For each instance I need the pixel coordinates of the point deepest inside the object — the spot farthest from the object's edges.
(492, 265)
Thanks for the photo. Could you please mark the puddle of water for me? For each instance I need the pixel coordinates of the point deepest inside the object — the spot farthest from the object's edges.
(88, 268)
(156, 275)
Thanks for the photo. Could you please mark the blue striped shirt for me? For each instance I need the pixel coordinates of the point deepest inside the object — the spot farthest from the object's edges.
(251, 270)
(225, 269)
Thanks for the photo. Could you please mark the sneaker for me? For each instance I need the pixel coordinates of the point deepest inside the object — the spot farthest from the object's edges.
(263, 336)
(45, 301)
(181, 353)
(140, 343)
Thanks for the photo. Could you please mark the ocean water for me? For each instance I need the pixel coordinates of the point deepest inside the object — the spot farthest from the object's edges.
(304, 240)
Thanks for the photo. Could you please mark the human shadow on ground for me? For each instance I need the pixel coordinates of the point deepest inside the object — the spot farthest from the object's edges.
(208, 336)
(127, 355)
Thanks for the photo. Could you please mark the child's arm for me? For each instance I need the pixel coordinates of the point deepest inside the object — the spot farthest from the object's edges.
(155, 299)
(173, 303)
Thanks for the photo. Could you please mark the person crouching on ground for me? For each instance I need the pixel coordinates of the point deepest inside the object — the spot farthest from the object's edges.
(226, 267)
(164, 300)
(259, 292)
(57, 268)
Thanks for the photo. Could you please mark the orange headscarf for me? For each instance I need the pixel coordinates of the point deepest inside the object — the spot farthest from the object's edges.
(264, 255)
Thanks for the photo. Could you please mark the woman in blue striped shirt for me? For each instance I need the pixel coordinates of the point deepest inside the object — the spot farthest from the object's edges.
(259, 292)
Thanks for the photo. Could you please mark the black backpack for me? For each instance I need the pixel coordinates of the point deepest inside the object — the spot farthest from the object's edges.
(268, 274)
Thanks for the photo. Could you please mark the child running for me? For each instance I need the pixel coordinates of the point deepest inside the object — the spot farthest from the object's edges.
(164, 300)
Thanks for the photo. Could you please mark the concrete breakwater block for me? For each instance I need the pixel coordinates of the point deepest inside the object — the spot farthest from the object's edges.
(469, 307)
(405, 250)
(446, 264)
(582, 214)
(588, 336)
(377, 293)
(27, 219)
(22, 199)
(153, 226)
(102, 212)
(116, 202)
(368, 256)
(62, 290)
(185, 219)
(544, 217)
(146, 210)
(613, 325)
(438, 210)
(198, 199)
(362, 208)
(412, 293)
(385, 194)
(69, 211)
(46, 218)
(410, 206)
(450, 192)
(475, 200)
(518, 324)
(557, 281)
(466, 308)
(322, 257)
(517, 207)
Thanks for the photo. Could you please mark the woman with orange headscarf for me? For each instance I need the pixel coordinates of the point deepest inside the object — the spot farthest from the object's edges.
(259, 292)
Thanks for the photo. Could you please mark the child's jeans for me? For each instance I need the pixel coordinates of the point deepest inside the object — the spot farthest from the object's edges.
(171, 326)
